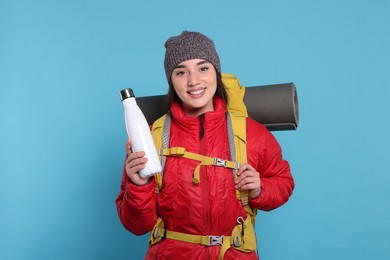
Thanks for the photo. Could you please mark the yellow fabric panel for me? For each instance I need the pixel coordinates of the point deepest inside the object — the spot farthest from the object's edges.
(235, 94)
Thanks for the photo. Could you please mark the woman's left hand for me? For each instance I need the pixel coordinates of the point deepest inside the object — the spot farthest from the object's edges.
(248, 179)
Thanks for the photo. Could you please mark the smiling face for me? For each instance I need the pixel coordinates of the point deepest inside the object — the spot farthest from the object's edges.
(195, 83)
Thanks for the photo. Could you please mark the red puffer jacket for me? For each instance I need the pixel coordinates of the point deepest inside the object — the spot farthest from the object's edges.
(210, 207)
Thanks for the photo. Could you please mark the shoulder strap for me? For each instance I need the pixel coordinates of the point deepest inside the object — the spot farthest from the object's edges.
(236, 120)
(238, 114)
(237, 145)
(161, 133)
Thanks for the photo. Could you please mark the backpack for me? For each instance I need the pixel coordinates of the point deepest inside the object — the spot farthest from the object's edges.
(236, 121)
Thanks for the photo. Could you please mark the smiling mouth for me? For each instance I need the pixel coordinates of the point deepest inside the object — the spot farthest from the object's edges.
(196, 92)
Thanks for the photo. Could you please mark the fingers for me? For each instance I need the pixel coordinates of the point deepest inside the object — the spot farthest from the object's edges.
(130, 154)
(128, 147)
(137, 164)
(248, 179)
(135, 161)
(134, 156)
(245, 167)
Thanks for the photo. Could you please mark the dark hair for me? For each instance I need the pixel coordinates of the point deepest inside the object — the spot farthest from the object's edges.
(172, 95)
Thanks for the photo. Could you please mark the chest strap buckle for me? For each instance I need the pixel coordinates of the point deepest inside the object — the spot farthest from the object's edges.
(215, 240)
(219, 162)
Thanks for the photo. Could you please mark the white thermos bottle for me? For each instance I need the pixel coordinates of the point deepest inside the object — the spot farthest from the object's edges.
(139, 132)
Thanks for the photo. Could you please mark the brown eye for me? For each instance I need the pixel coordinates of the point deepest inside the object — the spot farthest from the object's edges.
(179, 73)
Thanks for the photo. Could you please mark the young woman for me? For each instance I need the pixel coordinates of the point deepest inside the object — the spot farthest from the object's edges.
(208, 209)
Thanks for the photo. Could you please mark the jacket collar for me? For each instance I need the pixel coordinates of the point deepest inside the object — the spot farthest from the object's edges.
(190, 123)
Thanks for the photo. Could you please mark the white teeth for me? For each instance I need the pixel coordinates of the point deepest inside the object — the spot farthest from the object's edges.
(196, 92)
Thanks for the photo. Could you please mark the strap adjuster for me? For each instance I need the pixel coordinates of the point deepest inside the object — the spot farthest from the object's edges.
(215, 240)
(237, 241)
(156, 232)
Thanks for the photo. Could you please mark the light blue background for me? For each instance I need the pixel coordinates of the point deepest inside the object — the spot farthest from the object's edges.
(62, 133)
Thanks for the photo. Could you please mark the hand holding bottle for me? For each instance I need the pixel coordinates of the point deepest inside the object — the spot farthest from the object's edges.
(135, 161)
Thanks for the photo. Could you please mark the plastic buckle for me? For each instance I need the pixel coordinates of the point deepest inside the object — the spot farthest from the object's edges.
(215, 240)
(219, 162)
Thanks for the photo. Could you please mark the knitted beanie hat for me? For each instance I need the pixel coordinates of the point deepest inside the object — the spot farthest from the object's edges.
(187, 46)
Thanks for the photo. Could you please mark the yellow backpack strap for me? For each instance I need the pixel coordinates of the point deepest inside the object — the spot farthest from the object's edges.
(238, 114)
(202, 159)
(236, 121)
(160, 128)
(237, 146)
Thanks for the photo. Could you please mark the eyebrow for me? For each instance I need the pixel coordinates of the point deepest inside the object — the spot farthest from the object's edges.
(199, 63)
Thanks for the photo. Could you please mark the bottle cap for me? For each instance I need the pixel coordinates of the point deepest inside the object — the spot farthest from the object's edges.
(126, 93)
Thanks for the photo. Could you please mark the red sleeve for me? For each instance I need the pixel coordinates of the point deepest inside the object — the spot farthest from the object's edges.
(265, 154)
(136, 206)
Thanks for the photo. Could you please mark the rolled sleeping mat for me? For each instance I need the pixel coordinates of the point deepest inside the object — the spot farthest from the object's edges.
(274, 106)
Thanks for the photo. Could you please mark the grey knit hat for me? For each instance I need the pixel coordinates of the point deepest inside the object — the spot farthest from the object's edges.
(187, 46)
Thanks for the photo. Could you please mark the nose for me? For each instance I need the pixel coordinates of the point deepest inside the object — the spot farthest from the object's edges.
(193, 79)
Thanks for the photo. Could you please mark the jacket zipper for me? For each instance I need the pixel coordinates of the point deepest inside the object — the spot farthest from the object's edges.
(203, 178)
